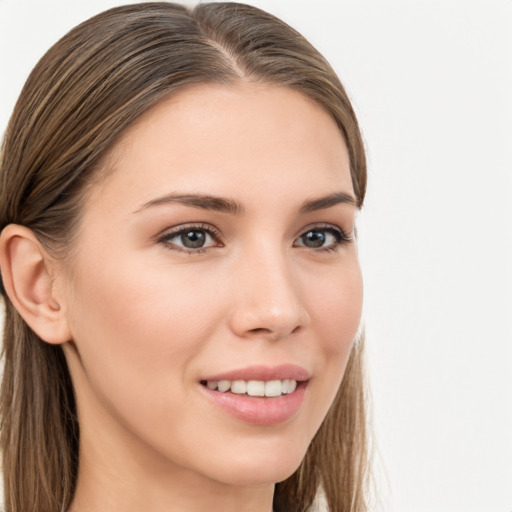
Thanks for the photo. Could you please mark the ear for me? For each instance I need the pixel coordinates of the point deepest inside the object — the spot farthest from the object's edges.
(27, 273)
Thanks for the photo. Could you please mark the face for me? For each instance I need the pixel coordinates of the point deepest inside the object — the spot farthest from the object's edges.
(215, 263)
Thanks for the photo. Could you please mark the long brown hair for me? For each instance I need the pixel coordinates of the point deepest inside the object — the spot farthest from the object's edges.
(81, 96)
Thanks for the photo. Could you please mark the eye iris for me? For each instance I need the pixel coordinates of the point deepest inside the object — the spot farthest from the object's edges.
(314, 239)
(193, 239)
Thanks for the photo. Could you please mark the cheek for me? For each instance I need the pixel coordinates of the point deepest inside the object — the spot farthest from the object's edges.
(142, 304)
(336, 316)
(137, 329)
(336, 309)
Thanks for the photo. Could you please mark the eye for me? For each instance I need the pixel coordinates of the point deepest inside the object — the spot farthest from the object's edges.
(323, 238)
(191, 239)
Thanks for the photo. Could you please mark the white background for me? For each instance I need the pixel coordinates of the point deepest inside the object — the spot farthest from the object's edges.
(432, 85)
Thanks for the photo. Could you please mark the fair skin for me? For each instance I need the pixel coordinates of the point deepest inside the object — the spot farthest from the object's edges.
(166, 291)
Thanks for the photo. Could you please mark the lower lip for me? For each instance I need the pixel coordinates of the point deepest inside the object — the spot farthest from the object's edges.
(262, 411)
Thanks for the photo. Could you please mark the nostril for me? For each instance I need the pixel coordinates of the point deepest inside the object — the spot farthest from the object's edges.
(272, 333)
(260, 330)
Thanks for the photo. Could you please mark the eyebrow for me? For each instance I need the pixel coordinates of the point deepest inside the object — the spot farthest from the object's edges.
(329, 201)
(204, 202)
(232, 207)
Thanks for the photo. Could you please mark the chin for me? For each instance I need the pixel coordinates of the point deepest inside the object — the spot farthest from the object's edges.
(255, 476)
(260, 466)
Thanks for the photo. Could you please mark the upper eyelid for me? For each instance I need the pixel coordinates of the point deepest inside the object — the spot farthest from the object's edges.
(200, 226)
(341, 235)
(217, 235)
(323, 225)
(209, 227)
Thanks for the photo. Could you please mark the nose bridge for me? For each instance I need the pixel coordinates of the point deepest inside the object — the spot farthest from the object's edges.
(269, 301)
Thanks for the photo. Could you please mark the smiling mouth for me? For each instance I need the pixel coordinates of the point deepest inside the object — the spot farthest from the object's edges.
(260, 399)
(257, 388)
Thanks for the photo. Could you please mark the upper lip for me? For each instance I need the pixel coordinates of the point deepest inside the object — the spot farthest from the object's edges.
(263, 372)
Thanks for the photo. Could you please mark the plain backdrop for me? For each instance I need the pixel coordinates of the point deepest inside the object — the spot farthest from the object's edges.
(431, 82)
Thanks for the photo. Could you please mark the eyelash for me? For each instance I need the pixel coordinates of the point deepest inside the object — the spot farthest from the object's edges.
(340, 236)
(182, 230)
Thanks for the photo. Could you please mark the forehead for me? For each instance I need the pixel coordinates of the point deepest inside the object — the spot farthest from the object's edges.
(234, 137)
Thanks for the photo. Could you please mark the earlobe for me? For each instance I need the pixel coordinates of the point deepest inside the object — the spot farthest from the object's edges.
(29, 283)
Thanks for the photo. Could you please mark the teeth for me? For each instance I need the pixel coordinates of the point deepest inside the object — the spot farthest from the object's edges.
(239, 387)
(274, 388)
(254, 387)
(223, 385)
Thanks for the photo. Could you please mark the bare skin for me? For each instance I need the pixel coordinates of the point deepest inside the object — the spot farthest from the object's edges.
(169, 285)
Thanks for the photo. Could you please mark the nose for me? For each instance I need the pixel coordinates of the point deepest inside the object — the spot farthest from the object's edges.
(268, 302)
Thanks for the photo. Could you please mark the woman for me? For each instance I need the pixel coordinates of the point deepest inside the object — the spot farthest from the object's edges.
(179, 191)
